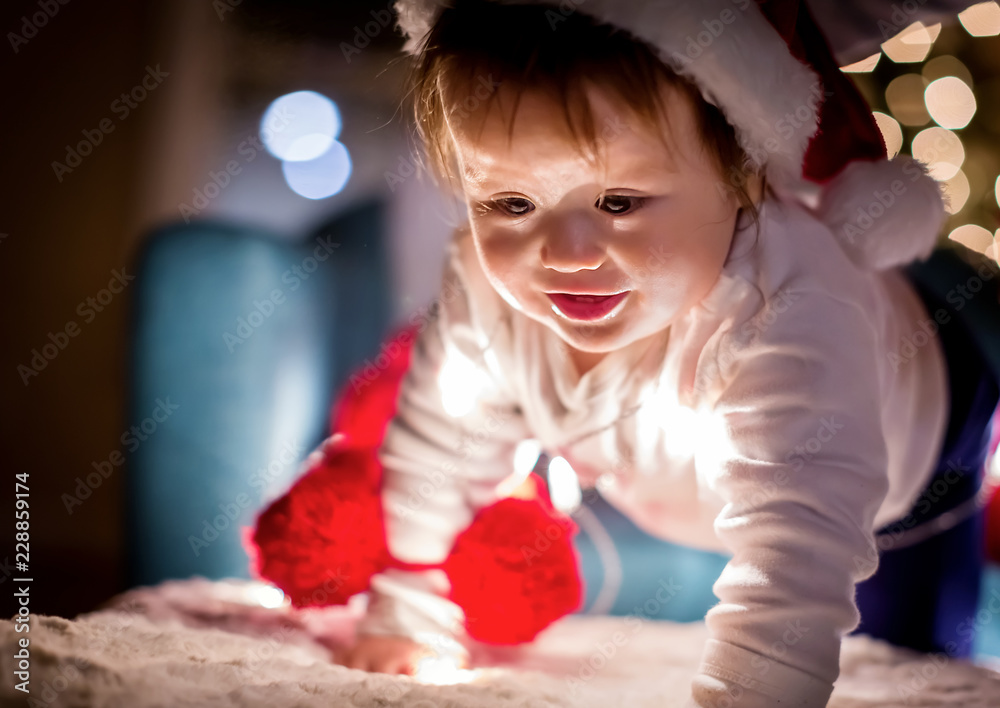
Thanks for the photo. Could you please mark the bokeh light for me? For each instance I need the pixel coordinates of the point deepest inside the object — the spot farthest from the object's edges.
(913, 44)
(950, 102)
(460, 380)
(322, 177)
(863, 66)
(972, 236)
(941, 150)
(892, 133)
(564, 485)
(981, 20)
(905, 98)
(957, 191)
(526, 456)
(300, 126)
(947, 65)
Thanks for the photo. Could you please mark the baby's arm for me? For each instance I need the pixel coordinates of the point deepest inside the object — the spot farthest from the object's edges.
(802, 467)
(449, 445)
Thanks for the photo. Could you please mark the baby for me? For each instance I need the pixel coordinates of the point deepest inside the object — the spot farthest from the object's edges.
(654, 286)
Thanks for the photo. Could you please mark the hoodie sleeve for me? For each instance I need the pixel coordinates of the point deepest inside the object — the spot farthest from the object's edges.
(450, 444)
(801, 463)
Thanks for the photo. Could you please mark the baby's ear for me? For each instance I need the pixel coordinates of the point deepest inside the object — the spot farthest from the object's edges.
(755, 188)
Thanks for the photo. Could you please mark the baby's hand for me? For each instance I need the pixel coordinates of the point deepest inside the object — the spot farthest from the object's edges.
(388, 654)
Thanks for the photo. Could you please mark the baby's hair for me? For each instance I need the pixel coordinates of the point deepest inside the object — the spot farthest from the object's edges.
(477, 45)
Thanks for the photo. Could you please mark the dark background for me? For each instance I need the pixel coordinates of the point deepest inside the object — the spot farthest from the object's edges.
(60, 241)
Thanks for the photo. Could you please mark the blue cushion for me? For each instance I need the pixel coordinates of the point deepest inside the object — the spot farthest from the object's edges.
(249, 336)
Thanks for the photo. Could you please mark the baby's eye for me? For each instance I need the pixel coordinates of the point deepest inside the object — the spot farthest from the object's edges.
(618, 204)
(514, 206)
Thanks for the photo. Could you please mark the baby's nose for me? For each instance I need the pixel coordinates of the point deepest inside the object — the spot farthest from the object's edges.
(572, 242)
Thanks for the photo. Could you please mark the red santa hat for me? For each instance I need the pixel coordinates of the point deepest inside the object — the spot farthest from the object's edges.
(800, 120)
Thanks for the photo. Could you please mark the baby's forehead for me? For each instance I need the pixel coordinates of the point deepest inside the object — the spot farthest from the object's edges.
(498, 137)
(487, 157)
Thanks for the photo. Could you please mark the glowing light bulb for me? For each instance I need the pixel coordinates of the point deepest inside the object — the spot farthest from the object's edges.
(892, 134)
(564, 486)
(863, 66)
(322, 177)
(525, 457)
(957, 191)
(461, 382)
(981, 20)
(972, 236)
(913, 44)
(941, 150)
(905, 97)
(950, 102)
(300, 126)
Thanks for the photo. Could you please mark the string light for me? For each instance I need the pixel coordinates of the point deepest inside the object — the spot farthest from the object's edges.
(864, 66)
(913, 44)
(947, 65)
(972, 236)
(950, 102)
(905, 97)
(892, 134)
(981, 20)
(957, 191)
(941, 150)
(945, 92)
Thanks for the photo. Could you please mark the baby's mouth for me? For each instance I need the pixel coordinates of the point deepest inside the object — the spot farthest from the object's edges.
(586, 307)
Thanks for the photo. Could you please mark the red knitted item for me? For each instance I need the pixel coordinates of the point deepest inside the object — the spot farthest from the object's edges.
(513, 570)
(300, 538)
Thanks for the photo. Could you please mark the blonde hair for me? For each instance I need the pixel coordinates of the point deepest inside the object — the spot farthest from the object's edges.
(539, 47)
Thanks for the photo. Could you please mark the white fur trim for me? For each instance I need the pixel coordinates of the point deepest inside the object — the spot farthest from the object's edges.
(884, 213)
(730, 51)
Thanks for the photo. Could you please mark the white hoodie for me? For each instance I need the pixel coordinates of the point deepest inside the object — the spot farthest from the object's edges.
(778, 420)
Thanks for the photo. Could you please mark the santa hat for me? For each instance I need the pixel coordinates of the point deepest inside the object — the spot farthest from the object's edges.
(800, 120)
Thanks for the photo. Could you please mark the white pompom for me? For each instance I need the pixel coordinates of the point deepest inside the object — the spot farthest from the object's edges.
(884, 213)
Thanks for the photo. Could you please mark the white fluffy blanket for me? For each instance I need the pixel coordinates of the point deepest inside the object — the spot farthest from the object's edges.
(201, 643)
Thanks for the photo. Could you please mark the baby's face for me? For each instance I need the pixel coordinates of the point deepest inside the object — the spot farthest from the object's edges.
(657, 242)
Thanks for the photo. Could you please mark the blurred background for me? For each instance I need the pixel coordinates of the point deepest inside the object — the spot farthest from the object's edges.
(123, 122)
(212, 216)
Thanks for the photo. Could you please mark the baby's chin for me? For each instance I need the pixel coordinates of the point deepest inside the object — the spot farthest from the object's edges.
(591, 337)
